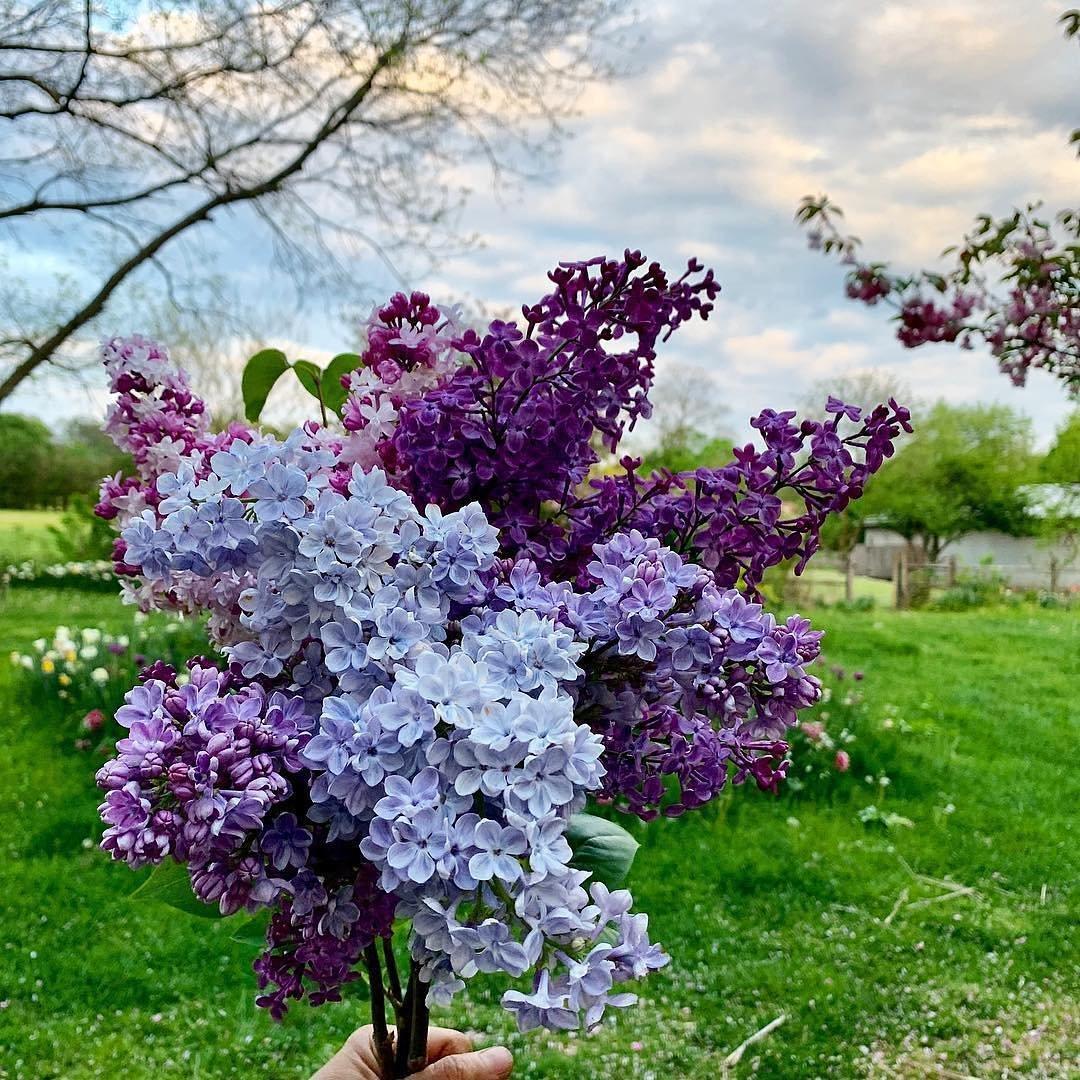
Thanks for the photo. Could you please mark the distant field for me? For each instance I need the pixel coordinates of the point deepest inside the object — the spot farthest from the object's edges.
(826, 585)
(24, 534)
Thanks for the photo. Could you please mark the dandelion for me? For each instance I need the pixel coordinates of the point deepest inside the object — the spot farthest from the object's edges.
(64, 679)
(47, 665)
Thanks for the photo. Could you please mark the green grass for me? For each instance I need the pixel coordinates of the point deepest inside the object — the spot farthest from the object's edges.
(768, 906)
(826, 585)
(24, 534)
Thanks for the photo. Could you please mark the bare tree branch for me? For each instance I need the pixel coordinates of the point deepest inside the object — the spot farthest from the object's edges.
(334, 120)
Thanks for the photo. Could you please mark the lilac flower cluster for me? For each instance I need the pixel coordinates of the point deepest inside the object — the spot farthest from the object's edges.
(201, 777)
(443, 640)
(514, 426)
(317, 935)
(733, 520)
(446, 749)
(687, 682)
(1013, 287)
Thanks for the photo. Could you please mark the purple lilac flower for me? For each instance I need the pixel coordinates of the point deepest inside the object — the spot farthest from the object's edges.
(439, 655)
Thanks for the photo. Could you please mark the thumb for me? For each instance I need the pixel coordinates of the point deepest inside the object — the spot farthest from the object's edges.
(494, 1063)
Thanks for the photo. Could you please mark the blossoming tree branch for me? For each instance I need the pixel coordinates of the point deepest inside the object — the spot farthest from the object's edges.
(1014, 286)
(439, 642)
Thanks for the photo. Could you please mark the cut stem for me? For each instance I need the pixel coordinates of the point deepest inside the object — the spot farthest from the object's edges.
(380, 1035)
(393, 991)
(412, 1034)
(418, 1033)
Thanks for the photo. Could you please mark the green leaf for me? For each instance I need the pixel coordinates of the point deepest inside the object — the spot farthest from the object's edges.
(333, 391)
(310, 377)
(601, 846)
(252, 931)
(169, 884)
(260, 373)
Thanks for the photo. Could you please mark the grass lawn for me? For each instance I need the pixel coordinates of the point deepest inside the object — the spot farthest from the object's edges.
(24, 534)
(826, 585)
(769, 907)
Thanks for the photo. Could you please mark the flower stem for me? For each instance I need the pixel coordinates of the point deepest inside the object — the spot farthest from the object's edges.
(393, 990)
(380, 1035)
(418, 1034)
(412, 1032)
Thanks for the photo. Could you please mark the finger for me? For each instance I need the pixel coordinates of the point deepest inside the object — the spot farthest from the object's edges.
(442, 1042)
(354, 1061)
(494, 1063)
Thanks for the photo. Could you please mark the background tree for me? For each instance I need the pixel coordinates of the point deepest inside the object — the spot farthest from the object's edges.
(38, 468)
(82, 455)
(1061, 465)
(128, 130)
(690, 421)
(26, 453)
(963, 471)
(1059, 502)
(1014, 285)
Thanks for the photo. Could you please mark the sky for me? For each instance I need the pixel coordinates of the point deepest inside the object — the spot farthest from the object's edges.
(913, 116)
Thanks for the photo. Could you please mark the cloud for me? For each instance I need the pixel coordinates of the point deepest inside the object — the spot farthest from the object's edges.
(913, 115)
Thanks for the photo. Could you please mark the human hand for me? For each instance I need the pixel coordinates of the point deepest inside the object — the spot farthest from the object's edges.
(450, 1057)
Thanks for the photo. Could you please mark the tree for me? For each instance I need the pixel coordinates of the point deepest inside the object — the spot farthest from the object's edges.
(863, 387)
(1062, 462)
(1014, 286)
(1059, 509)
(963, 471)
(690, 421)
(26, 454)
(83, 455)
(331, 121)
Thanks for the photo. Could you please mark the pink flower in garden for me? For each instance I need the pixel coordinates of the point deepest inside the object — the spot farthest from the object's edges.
(93, 720)
(843, 761)
(813, 730)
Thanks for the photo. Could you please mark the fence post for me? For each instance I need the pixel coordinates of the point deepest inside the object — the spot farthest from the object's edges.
(849, 577)
(1053, 575)
(952, 571)
(899, 575)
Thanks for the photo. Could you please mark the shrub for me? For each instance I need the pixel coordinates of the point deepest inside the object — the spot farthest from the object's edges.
(973, 589)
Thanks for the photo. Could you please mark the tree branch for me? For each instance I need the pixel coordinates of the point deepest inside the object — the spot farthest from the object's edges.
(94, 307)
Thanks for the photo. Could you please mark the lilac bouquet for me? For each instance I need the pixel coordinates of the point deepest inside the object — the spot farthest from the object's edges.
(441, 637)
